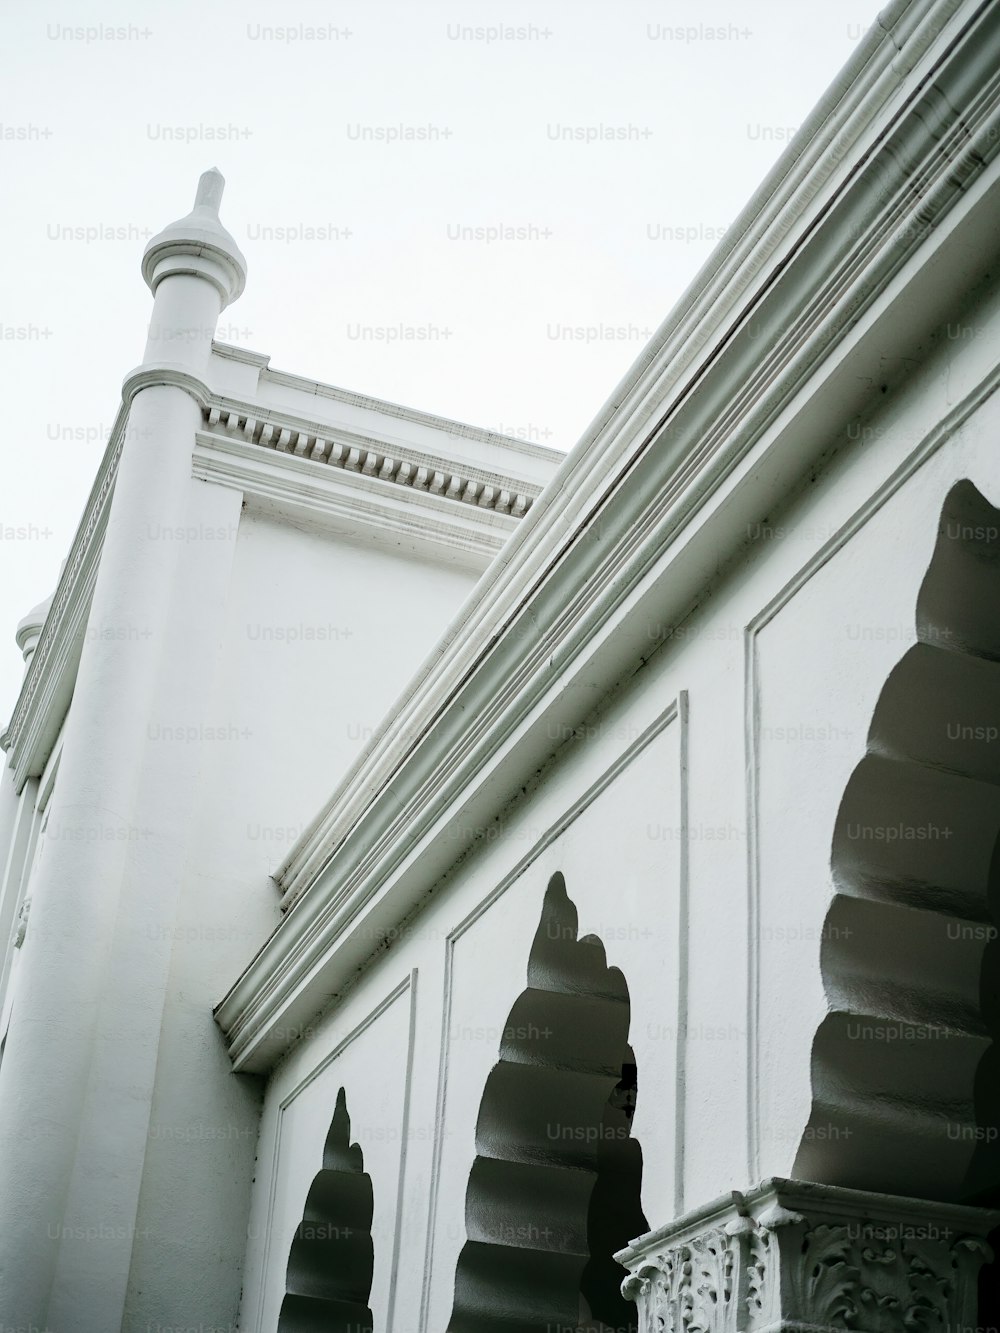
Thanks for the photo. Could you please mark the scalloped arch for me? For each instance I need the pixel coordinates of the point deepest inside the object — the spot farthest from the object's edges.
(329, 1276)
(904, 1074)
(554, 1189)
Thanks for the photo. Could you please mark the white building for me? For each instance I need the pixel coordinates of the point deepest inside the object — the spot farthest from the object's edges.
(652, 888)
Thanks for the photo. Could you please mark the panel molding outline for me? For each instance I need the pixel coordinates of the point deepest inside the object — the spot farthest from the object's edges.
(676, 711)
(928, 445)
(406, 987)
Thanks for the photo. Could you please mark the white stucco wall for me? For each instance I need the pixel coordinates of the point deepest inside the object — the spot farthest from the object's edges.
(704, 865)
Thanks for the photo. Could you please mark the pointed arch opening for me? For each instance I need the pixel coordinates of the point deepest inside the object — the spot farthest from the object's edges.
(905, 1085)
(329, 1276)
(554, 1189)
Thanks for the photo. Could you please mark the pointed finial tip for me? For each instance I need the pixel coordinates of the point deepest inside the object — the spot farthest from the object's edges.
(210, 187)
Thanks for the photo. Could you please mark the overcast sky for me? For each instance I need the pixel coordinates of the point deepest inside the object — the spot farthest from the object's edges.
(532, 186)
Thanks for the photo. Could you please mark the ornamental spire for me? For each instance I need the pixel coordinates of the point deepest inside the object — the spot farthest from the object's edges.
(198, 244)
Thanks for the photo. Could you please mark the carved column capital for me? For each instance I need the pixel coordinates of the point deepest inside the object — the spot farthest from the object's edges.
(790, 1254)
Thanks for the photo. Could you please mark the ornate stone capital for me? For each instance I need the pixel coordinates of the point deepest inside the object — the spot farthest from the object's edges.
(790, 1255)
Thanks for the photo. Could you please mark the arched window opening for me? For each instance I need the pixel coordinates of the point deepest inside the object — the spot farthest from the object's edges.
(554, 1188)
(904, 1075)
(329, 1277)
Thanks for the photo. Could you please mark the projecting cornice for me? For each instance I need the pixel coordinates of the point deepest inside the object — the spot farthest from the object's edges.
(365, 456)
(353, 503)
(783, 339)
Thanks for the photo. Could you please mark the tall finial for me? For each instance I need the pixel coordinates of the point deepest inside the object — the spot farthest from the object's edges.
(199, 244)
(210, 186)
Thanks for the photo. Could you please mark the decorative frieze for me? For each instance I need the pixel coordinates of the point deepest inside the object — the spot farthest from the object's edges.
(794, 1255)
(370, 459)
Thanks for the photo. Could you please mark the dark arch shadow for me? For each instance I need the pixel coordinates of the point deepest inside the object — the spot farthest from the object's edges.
(554, 1188)
(329, 1277)
(905, 1081)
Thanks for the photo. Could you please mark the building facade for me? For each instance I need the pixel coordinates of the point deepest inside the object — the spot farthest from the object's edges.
(638, 969)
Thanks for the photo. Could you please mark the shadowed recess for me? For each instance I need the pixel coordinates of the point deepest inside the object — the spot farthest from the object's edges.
(329, 1277)
(554, 1189)
(904, 1078)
